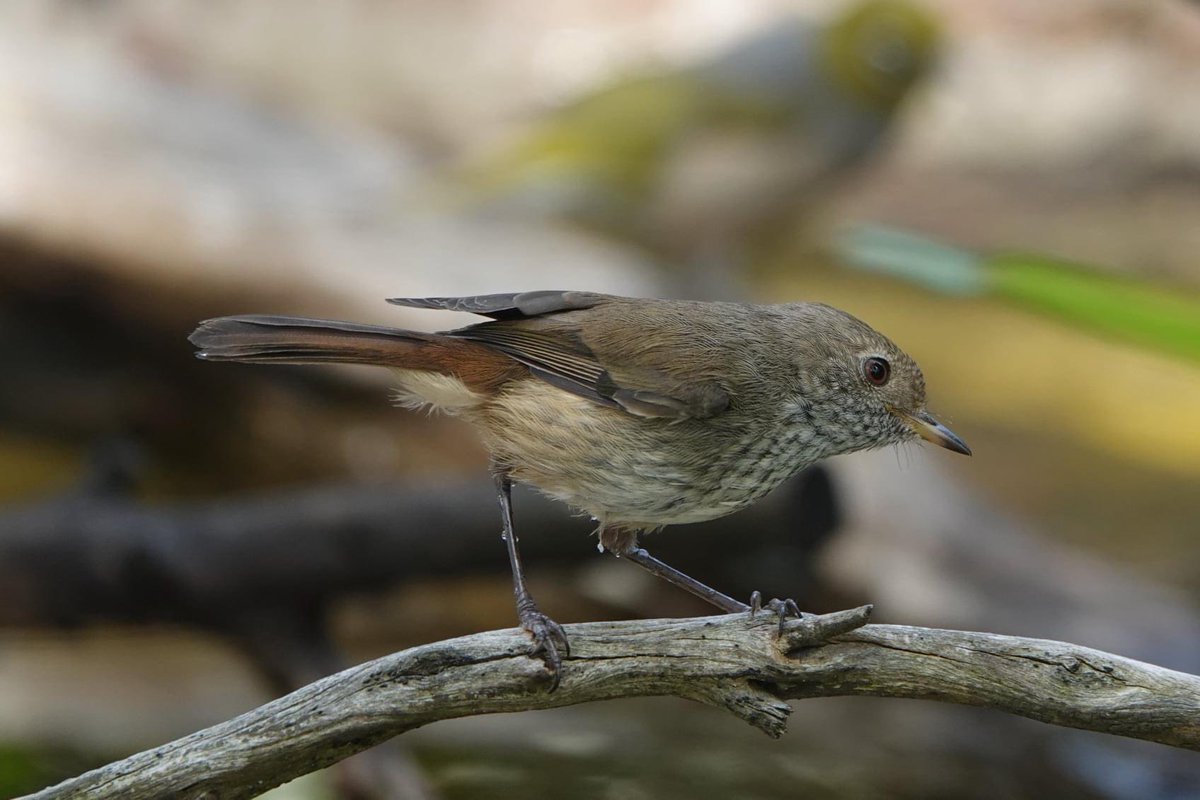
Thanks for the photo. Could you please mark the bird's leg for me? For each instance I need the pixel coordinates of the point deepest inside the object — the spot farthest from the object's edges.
(548, 635)
(784, 608)
(673, 576)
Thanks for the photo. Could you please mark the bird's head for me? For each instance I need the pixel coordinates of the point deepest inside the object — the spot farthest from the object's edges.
(872, 392)
(878, 49)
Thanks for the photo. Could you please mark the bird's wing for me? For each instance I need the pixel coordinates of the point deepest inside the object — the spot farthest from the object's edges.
(563, 360)
(528, 330)
(517, 305)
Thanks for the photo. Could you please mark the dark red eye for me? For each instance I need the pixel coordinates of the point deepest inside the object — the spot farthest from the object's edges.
(877, 370)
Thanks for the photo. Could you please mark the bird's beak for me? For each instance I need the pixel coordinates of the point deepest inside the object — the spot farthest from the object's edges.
(929, 429)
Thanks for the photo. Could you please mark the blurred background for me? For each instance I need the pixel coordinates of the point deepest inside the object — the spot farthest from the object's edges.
(1010, 189)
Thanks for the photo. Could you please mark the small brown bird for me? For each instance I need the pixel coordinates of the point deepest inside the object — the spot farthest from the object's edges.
(643, 413)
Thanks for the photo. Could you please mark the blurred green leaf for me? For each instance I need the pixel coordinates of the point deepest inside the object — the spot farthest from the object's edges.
(1161, 318)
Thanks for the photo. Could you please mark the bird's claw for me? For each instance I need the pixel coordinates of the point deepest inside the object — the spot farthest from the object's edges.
(549, 639)
(783, 608)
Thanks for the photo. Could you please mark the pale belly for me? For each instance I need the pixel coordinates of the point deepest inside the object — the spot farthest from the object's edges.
(632, 472)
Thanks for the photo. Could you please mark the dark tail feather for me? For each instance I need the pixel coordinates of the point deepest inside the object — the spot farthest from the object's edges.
(294, 340)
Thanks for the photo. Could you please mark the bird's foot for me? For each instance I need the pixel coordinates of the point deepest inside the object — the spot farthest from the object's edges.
(784, 608)
(549, 638)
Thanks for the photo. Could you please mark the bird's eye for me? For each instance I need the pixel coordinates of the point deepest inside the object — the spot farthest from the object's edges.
(877, 370)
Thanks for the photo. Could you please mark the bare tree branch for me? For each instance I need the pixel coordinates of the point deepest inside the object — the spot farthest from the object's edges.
(729, 662)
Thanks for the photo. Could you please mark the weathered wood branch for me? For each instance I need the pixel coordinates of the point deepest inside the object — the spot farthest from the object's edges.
(730, 662)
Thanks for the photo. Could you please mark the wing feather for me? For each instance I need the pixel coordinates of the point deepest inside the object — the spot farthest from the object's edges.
(516, 305)
(553, 348)
(568, 364)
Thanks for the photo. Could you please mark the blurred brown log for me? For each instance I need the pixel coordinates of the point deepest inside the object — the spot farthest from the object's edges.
(101, 556)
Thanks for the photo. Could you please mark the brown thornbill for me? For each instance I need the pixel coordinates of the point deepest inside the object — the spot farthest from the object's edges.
(643, 413)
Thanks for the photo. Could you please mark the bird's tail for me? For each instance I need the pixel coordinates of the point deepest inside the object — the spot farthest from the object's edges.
(435, 370)
(295, 340)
